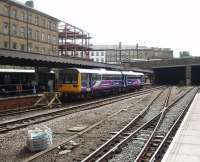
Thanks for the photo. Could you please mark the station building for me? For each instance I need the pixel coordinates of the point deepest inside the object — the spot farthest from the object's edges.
(24, 28)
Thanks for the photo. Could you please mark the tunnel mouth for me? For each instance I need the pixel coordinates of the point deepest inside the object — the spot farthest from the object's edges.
(170, 76)
(195, 75)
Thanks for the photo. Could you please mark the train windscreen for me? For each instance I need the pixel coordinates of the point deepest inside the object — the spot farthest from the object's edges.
(68, 77)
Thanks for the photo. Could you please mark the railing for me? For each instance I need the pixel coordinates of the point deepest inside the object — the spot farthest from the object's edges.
(13, 89)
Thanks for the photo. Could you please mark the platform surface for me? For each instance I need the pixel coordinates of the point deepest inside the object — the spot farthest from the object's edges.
(185, 146)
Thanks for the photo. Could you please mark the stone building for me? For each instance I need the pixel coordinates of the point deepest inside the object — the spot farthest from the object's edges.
(185, 54)
(24, 28)
(98, 55)
(116, 55)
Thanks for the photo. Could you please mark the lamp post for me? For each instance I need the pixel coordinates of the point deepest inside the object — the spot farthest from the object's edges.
(137, 51)
(120, 52)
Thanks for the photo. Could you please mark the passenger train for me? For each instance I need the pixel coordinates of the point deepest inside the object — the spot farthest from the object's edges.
(76, 81)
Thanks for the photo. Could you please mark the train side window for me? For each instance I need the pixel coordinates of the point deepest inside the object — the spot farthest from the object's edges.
(83, 77)
(96, 77)
(132, 77)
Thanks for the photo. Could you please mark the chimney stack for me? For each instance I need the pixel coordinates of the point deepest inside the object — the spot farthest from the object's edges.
(29, 3)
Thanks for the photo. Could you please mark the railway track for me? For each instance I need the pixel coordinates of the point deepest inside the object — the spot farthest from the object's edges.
(96, 126)
(135, 136)
(169, 121)
(139, 123)
(33, 108)
(25, 121)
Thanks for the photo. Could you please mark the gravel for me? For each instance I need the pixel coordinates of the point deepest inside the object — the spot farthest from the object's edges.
(13, 144)
(133, 148)
(130, 152)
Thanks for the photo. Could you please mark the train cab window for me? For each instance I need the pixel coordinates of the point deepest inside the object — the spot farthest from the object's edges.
(68, 77)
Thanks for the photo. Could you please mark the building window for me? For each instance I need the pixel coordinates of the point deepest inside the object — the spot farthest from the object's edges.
(22, 47)
(49, 51)
(22, 32)
(43, 22)
(43, 50)
(97, 59)
(30, 18)
(30, 47)
(102, 53)
(49, 38)
(23, 16)
(37, 35)
(102, 59)
(43, 37)
(14, 29)
(49, 24)
(6, 10)
(14, 45)
(54, 26)
(37, 20)
(30, 32)
(54, 39)
(97, 53)
(5, 44)
(54, 48)
(92, 53)
(37, 49)
(14, 13)
(5, 28)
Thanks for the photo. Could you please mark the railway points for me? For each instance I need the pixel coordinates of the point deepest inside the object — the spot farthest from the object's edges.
(185, 145)
(174, 94)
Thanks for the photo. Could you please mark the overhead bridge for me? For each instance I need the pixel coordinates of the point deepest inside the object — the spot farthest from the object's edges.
(172, 71)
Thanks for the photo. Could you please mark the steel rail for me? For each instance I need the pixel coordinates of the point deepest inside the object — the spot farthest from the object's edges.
(95, 154)
(34, 108)
(163, 111)
(25, 121)
(148, 143)
(157, 117)
(109, 153)
(162, 147)
(73, 136)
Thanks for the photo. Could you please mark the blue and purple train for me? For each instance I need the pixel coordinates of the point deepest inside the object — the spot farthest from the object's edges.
(91, 81)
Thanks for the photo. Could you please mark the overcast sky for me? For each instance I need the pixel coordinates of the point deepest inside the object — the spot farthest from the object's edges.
(160, 23)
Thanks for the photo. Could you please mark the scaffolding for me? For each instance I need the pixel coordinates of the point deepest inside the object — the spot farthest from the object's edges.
(73, 41)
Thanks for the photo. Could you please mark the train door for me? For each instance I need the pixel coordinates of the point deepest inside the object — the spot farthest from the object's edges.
(89, 82)
(124, 80)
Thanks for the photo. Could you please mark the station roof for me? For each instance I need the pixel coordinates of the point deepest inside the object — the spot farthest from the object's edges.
(13, 57)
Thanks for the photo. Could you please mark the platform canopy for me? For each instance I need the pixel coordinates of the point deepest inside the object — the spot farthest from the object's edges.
(19, 58)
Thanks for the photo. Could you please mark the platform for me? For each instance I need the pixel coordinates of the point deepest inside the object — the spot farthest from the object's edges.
(185, 146)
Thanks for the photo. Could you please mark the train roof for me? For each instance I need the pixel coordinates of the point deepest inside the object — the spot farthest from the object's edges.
(90, 71)
(104, 71)
(97, 71)
(137, 73)
(129, 73)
